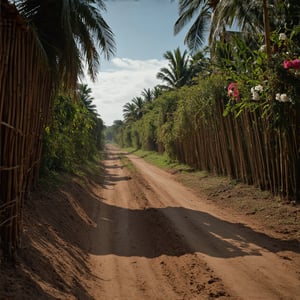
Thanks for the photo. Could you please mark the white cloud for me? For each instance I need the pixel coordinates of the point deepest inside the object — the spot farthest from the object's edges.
(124, 80)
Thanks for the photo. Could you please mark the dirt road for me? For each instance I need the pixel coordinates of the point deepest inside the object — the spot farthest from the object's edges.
(154, 239)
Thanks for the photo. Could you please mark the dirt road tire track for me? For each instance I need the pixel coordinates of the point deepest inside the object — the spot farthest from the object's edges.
(155, 239)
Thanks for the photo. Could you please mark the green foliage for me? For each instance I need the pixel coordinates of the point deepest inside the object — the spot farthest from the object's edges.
(246, 131)
(71, 34)
(166, 106)
(148, 131)
(73, 136)
(263, 82)
(198, 102)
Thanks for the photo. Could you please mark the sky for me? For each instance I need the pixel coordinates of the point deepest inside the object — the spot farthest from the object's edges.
(143, 32)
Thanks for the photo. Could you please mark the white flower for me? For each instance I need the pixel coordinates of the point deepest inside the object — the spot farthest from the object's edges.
(255, 96)
(259, 88)
(277, 97)
(284, 98)
(262, 48)
(255, 93)
(282, 36)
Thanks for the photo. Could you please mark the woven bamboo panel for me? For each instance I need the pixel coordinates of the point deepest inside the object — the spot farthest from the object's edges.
(25, 93)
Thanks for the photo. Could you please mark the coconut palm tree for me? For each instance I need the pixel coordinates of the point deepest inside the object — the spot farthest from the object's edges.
(200, 63)
(216, 16)
(129, 112)
(69, 33)
(177, 73)
(84, 93)
(200, 11)
(156, 92)
(246, 16)
(139, 106)
(255, 17)
(147, 95)
(134, 110)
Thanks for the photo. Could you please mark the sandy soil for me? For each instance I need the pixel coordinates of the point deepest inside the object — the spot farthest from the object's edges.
(140, 234)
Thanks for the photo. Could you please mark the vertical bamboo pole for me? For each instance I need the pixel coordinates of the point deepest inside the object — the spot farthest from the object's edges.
(297, 152)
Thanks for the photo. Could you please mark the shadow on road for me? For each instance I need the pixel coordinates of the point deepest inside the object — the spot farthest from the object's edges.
(153, 232)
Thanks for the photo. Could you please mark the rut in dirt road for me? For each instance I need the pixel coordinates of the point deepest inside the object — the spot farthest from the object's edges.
(156, 240)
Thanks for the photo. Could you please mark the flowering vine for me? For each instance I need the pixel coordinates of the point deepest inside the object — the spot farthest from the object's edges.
(256, 92)
(292, 64)
(233, 91)
(282, 97)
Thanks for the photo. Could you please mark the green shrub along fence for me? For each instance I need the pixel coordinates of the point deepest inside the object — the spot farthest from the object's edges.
(247, 148)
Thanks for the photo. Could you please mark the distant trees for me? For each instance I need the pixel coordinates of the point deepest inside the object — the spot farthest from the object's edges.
(138, 106)
(112, 132)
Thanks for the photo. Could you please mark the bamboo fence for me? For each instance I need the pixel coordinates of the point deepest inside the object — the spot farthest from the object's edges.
(25, 93)
(247, 148)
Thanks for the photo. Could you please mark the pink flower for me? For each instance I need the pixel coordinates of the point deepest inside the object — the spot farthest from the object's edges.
(233, 90)
(296, 64)
(287, 64)
(292, 64)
